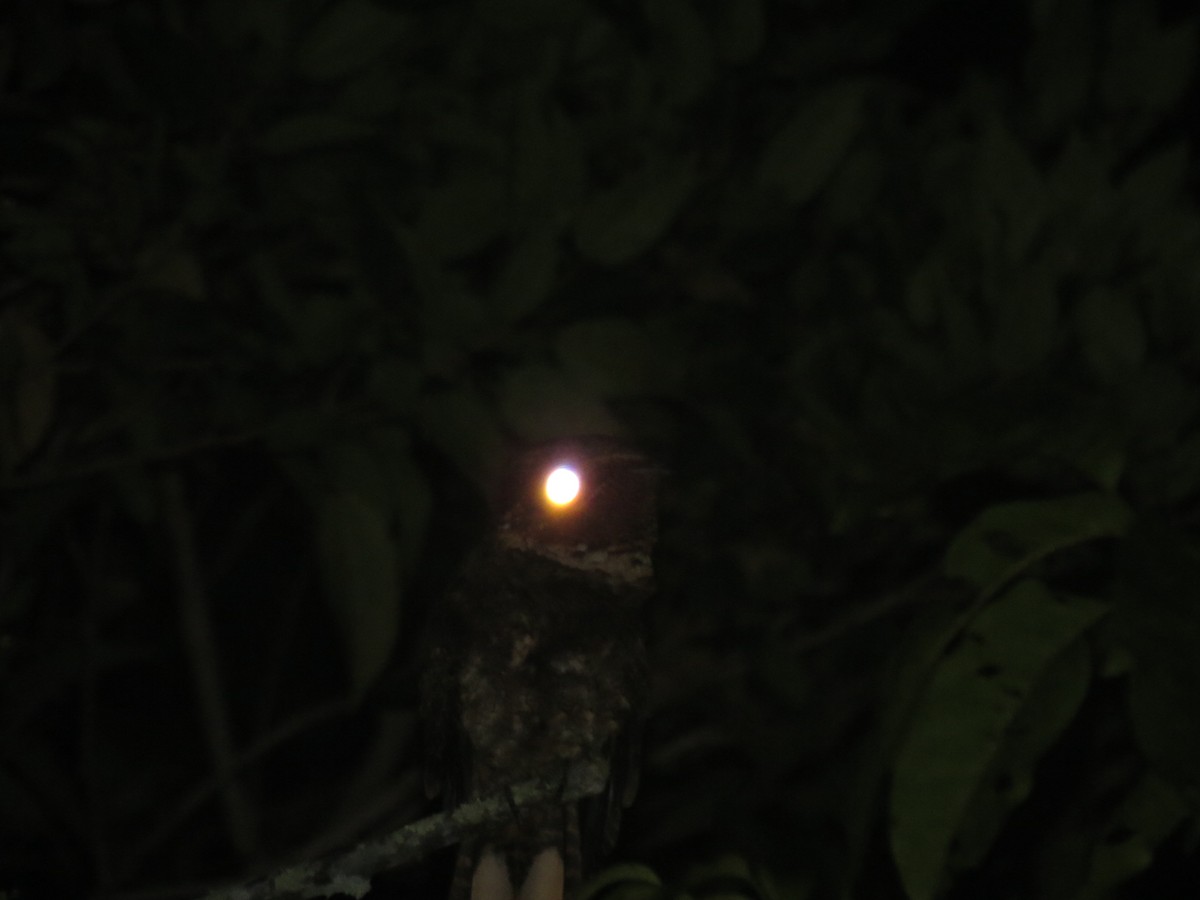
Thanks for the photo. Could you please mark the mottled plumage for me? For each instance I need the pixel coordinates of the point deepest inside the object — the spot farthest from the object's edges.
(535, 659)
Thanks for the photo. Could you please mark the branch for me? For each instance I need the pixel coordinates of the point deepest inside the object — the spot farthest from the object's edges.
(350, 872)
(193, 801)
(203, 655)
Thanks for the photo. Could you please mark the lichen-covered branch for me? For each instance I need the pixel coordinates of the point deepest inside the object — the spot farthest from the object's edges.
(350, 872)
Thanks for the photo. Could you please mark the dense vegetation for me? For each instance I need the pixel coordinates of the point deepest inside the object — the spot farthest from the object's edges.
(907, 295)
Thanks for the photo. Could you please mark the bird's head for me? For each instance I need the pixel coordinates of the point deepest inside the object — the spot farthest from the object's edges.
(587, 503)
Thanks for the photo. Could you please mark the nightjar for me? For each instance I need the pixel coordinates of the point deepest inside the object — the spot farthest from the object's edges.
(535, 659)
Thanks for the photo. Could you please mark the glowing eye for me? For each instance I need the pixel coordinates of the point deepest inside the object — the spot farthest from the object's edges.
(562, 486)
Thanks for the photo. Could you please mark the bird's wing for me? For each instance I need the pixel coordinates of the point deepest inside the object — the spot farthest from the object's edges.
(600, 816)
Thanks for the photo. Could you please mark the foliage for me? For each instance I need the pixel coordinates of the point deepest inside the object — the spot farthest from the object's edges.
(905, 296)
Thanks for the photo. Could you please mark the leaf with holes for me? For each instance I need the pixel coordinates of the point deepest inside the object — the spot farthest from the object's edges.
(1006, 539)
(1051, 706)
(964, 716)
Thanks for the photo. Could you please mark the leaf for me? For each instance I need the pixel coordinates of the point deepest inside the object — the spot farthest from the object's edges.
(927, 285)
(1006, 539)
(1159, 622)
(1059, 63)
(961, 326)
(463, 424)
(372, 94)
(350, 36)
(1112, 335)
(1014, 188)
(1053, 701)
(407, 488)
(740, 29)
(448, 308)
(852, 191)
(28, 388)
(36, 387)
(311, 131)
(463, 214)
(802, 155)
(541, 402)
(359, 564)
(172, 267)
(1145, 818)
(965, 714)
(613, 356)
(44, 48)
(683, 53)
(527, 277)
(1024, 318)
(627, 880)
(1158, 182)
(727, 878)
(549, 171)
(1149, 66)
(238, 22)
(620, 223)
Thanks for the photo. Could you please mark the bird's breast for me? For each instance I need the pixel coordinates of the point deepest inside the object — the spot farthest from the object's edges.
(525, 708)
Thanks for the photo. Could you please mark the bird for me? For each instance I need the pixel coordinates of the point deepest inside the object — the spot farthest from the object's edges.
(535, 659)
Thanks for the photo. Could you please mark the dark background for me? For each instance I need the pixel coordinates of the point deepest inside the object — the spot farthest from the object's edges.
(906, 295)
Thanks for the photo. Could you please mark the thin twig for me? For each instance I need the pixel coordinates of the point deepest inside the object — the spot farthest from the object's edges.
(113, 462)
(193, 801)
(203, 656)
(869, 613)
(182, 450)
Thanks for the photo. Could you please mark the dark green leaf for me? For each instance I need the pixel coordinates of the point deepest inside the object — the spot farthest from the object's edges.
(628, 880)
(465, 213)
(802, 155)
(359, 564)
(1059, 64)
(1159, 620)
(541, 402)
(348, 37)
(1144, 819)
(1007, 539)
(1009, 181)
(528, 275)
(727, 878)
(1025, 314)
(967, 711)
(44, 49)
(739, 30)
(28, 388)
(1150, 66)
(172, 267)
(1054, 699)
(1156, 184)
(312, 131)
(463, 425)
(406, 488)
(618, 224)
(549, 172)
(611, 357)
(1111, 333)
(684, 54)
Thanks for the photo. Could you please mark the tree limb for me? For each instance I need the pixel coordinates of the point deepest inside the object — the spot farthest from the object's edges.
(350, 873)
